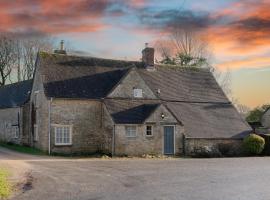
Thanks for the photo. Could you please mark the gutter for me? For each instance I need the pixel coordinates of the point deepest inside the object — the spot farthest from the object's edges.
(49, 127)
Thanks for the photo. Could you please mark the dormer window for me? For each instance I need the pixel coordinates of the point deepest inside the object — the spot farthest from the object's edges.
(137, 93)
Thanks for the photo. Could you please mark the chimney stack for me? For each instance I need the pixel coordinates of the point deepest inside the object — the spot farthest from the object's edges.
(61, 50)
(62, 45)
(148, 57)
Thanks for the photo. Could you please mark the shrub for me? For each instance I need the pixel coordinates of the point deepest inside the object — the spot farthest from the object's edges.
(253, 144)
(5, 188)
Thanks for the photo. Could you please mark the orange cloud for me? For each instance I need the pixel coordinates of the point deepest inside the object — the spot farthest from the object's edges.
(50, 16)
(254, 62)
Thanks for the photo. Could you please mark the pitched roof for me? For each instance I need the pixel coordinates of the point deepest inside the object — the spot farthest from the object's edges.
(56, 67)
(94, 86)
(130, 112)
(184, 84)
(210, 120)
(15, 95)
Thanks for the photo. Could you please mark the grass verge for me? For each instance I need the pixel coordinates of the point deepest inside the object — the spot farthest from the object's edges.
(5, 187)
(22, 149)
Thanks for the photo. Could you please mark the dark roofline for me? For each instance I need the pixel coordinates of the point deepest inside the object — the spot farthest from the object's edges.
(13, 86)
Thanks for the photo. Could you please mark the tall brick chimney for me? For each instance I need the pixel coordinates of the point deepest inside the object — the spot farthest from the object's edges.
(148, 57)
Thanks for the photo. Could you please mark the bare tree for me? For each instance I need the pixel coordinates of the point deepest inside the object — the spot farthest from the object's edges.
(7, 57)
(184, 47)
(27, 49)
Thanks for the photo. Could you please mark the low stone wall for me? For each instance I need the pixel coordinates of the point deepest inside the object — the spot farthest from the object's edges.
(213, 147)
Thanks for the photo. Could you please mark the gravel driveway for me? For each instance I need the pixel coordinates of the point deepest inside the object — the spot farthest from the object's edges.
(128, 179)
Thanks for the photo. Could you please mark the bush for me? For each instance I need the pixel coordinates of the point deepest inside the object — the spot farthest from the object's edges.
(253, 144)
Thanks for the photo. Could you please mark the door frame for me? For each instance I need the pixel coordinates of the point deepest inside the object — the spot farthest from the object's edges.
(163, 138)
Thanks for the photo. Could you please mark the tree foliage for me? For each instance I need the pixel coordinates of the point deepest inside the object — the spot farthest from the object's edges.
(255, 115)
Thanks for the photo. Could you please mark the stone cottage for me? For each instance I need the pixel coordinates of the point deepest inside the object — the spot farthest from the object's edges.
(14, 112)
(82, 105)
(265, 122)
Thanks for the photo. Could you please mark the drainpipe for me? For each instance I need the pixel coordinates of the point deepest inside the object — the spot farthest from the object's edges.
(49, 127)
(113, 141)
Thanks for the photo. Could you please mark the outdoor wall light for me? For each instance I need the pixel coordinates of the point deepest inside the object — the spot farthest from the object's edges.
(162, 115)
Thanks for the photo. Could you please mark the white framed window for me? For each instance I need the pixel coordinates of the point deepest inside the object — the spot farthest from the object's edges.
(149, 130)
(131, 131)
(15, 132)
(137, 93)
(36, 136)
(63, 134)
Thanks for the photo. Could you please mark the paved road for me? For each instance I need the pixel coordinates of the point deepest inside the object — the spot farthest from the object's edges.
(117, 179)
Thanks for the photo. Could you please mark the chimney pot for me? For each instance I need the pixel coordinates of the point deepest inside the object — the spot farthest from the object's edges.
(148, 56)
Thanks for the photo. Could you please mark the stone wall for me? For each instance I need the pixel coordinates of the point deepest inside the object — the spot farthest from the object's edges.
(39, 110)
(142, 144)
(89, 135)
(266, 119)
(196, 146)
(9, 121)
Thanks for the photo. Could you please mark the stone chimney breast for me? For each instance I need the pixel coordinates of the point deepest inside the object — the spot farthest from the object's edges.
(61, 50)
(148, 56)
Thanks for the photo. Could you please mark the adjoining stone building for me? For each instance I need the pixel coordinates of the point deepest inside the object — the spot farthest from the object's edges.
(14, 112)
(82, 105)
(266, 119)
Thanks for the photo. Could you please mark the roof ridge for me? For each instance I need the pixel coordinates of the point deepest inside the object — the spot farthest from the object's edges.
(43, 54)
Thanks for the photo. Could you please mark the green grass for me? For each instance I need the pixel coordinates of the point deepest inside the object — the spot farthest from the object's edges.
(23, 149)
(5, 187)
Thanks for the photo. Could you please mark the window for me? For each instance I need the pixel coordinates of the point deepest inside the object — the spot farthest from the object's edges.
(149, 131)
(131, 131)
(36, 137)
(137, 93)
(63, 135)
(15, 132)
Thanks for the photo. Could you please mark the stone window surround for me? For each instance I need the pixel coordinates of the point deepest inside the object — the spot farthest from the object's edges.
(36, 136)
(15, 132)
(55, 126)
(137, 92)
(151, 130)
(126, 131)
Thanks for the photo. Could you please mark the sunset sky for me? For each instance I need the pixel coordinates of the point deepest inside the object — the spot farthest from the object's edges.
(238, 31)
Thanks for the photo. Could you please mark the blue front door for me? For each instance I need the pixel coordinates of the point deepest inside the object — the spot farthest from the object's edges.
(169, 140)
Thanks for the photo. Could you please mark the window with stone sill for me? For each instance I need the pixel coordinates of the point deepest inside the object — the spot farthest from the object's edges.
(131, 131)
(63, 134)
(137, 93)
(149, 131)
